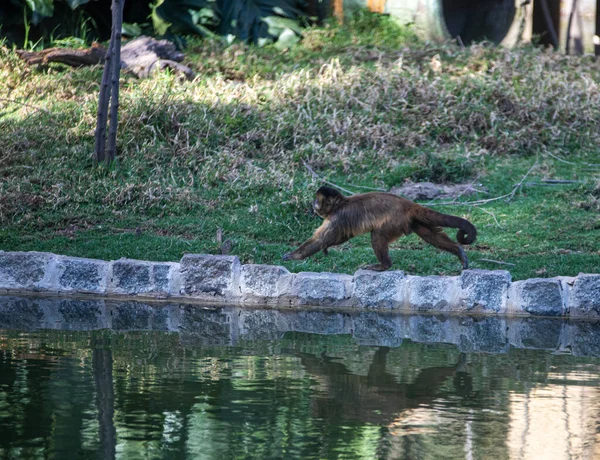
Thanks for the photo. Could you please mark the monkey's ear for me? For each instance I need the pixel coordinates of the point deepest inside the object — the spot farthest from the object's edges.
(329, 192)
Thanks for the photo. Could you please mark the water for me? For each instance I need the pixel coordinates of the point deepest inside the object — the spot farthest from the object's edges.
(94, 379)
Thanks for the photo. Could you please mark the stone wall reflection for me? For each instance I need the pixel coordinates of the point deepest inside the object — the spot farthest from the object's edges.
(227, 325)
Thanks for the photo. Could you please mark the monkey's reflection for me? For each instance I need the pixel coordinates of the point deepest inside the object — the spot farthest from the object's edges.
(377, 397)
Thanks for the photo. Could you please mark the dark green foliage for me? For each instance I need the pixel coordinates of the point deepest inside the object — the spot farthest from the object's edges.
(248, 20)
(30, 23)
(38, 23)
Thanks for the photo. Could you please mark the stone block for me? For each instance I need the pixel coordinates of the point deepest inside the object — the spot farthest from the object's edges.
(21, 313)
(584, 298)
(379, 289)
(375, 329)
(23, 270)
(487, 335)
(584, 338)
(73, 274)
(260, 324)
(175, 285)
(538, 296)
(137, 277)
(136, 316)
(207, 276)
(535, 333)
(432, 293)
(75, 314)
(263, 283)
(432, 329)
(316, 322)
(484, 291)
(206, 326)
(161, 276)
(321, 289)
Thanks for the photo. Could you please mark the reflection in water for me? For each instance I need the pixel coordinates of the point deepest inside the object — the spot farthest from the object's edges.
(555, 421)
(102, 365)
(376, 397)
(131, 380)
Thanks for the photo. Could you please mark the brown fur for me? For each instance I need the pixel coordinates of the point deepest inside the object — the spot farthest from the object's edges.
(387, 217)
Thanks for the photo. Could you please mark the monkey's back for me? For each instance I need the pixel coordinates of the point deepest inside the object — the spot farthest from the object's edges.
(374, 211)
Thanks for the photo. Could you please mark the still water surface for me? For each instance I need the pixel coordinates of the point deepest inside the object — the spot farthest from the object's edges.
(94, 379)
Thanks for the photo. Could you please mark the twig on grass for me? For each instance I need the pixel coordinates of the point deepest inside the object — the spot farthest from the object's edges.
(560, 181)
(315, 175)
(509, 196)
(377, 189)
(552, 182)
(491, 214)
(24, 104)
(499, 262)
(520, 184)
(562, 160)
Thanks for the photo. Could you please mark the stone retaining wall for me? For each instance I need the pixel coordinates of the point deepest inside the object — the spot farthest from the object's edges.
(223, 279)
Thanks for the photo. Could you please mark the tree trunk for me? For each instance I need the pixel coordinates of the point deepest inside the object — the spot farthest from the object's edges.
(102, 364)
(546, 22)
(117, 18)
(109, 90)
(103, 99)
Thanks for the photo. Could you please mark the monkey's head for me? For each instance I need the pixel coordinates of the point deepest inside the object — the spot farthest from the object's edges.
(326, 200)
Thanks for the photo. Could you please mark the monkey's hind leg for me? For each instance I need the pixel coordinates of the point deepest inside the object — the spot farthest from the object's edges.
(436, 237)
(379, 242)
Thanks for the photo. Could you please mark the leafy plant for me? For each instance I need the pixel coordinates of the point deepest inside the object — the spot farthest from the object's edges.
(255, 21)
(26, 21)
(41, 9)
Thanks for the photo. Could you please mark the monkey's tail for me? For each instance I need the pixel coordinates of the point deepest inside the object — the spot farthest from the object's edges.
(466, 230)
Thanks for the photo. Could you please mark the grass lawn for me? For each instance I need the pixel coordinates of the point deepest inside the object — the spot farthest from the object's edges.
(366, 105)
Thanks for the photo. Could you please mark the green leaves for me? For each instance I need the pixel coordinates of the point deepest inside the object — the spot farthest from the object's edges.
(22, 11)
(131, 30)
(255, 21)
(287, 30)
(75, 3)
(183, 16)
(252, 21)
(40, 9)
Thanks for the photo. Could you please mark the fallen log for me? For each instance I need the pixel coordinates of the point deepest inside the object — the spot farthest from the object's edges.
(140, 56)
(68, 56)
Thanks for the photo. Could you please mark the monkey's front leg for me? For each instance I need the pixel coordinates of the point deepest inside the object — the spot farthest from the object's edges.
(310, 247)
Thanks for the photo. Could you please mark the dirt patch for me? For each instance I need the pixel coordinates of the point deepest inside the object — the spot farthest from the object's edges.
(429, 191)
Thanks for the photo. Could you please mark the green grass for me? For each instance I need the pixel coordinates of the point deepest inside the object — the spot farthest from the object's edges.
(366, 105)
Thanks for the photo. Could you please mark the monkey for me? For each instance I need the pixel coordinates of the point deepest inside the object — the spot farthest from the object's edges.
(387, 217)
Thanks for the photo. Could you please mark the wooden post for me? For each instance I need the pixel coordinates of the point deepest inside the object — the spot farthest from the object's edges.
(376, 6)
(338, 10)
(546, 21)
